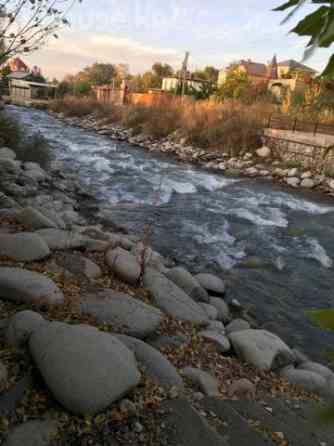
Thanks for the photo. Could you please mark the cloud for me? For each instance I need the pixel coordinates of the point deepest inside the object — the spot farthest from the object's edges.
(75, 50)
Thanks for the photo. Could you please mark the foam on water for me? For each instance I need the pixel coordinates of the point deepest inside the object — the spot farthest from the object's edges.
(318, 252)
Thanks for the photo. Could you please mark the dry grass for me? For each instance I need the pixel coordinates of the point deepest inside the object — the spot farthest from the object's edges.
(228, 126)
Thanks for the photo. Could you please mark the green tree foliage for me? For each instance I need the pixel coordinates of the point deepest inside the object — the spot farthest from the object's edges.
(97, 74)
(208, 74)
(236, 86)
(151, 79)
(162, 70)
(317, 26)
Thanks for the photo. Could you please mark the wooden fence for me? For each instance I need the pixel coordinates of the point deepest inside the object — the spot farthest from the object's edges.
(282, 122)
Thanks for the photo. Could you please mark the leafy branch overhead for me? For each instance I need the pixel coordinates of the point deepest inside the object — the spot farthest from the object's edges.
(26, 24)
(317, 25)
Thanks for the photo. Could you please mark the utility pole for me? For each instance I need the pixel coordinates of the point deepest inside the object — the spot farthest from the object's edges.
(184, 72)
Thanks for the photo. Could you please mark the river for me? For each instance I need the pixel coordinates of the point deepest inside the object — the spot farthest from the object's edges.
(274, 247)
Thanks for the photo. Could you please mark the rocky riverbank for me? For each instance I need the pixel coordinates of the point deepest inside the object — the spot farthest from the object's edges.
(105, 342)
(263, 163)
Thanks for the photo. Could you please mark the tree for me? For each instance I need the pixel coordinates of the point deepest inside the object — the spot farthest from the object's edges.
(208, 74)
(318, 26)
(25, 25)
(98, 74)
(236, 86)
(162, 70)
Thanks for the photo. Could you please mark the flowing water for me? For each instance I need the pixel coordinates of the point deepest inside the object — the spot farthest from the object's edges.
(274, 247)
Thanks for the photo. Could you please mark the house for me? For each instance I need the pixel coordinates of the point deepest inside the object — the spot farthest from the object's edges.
(257, 72)
(292, 68)
(171, 84)
(281, 77)
(17, 65)
(22, 89)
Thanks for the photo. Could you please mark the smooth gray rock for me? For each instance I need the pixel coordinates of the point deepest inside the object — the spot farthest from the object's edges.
(85, 369)
(216, 326)
(137, 318)
(25, 286)
(34, 219)
(5, 152)
(32, 433)
(79, 265)
(23, 247)
(237, 325)
(206, 382)
(261, 349)
(211, 283)
(317, 368)
(221, 342)
(188, 283)
(57, 239)
(221, 306)
(21, 326)
(164, 341)
(210, 310)
(306, 379)
(156, 365)
(171, 299)
(7, 202)
(300, 356)
(124, 265)
(3, 376)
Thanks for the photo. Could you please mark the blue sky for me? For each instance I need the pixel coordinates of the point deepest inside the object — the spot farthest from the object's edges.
(141, 32)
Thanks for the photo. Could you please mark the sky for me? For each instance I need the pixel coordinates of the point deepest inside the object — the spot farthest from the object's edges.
(141, 32)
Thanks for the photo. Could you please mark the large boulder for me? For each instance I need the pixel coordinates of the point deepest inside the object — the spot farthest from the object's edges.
(57, 239)
(188, 283)
(80, 266)
(124, 265)
(211, 283)
(171, 299)
(237, 325)
(264, 152)
(221, 306)
(7, 202)
(135, 317)
(33, 433)
(23, 247)
(262, 349)
(85, 369)
(206, 382)
(5, 152)
(25, 286)
(317, 368)
(155, 364)
(221, 342)
(306, 379)
(21, 326)
(210, 310)
(34, 219)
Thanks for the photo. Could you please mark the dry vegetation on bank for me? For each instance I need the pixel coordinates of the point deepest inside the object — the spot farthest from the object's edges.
(207, 124)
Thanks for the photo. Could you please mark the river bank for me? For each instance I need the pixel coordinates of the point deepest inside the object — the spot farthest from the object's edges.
(263, 163)
(43, 233)
(185, 317)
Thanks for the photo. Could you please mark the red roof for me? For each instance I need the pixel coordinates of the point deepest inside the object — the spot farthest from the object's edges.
(17, 64)
(254, 68)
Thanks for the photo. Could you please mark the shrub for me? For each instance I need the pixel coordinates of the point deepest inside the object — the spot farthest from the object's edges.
(35, 149)
(74, 106)
(32, 148)
(230, 126)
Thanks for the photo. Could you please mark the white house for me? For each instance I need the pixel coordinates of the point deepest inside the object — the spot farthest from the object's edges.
(172, 83)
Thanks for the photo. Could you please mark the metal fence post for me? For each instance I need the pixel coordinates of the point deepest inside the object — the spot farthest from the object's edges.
(294, 125)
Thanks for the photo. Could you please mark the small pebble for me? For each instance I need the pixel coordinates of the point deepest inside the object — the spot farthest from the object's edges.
(138, 427)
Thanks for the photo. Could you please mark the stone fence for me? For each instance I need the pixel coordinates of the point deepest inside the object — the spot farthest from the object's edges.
(312, 152)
